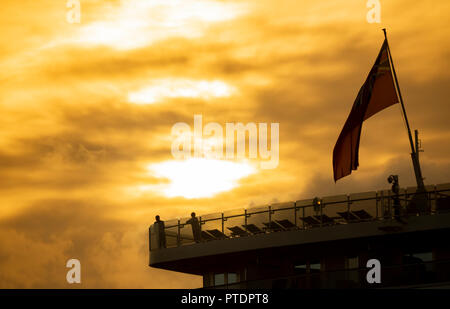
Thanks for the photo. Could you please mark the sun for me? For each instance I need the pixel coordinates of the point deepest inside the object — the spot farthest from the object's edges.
(200, 177)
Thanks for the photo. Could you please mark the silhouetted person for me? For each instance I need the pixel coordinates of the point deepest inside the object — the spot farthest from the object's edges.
(196, 229)
(396, 190)
(160, 232)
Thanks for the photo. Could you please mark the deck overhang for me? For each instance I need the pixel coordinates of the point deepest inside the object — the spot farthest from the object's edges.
(192, 258)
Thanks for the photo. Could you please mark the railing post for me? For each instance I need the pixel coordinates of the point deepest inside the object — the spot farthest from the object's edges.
(389, 204)
(179, 234)
(376, 204)
(223, 222)
(435, 199)
(303, 217)
(270, 217)
(295, 213)
(245, 219)
(321, 213)
(348, 204)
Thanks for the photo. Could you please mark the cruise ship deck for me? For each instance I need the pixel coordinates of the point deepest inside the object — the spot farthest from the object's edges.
(296, 234)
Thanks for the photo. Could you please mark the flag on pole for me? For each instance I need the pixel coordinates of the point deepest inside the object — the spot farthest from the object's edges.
(377, 93)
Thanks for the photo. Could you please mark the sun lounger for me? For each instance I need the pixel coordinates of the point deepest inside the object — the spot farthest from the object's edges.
(326, 220)
(217, 234)
(273, 226)
(310, 221)
(286, 224)
(362, 214)
(237, 231)
(206, 236)
(348, 216)
(253, 229)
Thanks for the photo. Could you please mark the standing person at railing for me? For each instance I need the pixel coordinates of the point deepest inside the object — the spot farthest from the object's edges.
(396, 190)
(196, 228)
(160, 233)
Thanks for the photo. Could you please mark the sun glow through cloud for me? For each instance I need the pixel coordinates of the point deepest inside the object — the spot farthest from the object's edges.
(198, 177)
(87, 112)
(180, 88)
(137, 23)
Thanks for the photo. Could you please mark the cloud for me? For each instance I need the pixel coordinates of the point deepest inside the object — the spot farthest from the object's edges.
(74, 153)
(139, 23)
(38, 242)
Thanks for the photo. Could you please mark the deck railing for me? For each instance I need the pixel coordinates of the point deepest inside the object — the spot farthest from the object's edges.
(303, 214)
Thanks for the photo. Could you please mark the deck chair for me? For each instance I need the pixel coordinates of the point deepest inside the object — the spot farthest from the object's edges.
(363, 215)
(253, 229)
(206, 236)
(273, 226)
(348, 216)
(310, 221)
(217, 234)
(286, 224)
(237, 231)
(325, 220)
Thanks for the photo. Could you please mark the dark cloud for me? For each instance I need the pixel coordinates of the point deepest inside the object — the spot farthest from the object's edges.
(74, 152)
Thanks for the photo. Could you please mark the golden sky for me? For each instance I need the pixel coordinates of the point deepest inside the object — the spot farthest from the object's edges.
(87, 109)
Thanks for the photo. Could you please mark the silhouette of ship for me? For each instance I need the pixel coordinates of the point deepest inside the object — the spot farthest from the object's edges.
(329, 242)
(316, 243)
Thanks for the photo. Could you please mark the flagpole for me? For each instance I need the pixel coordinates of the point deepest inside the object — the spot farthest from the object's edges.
(414, 150)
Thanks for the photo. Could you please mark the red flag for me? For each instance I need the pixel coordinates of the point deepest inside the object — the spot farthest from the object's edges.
(377, 93)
